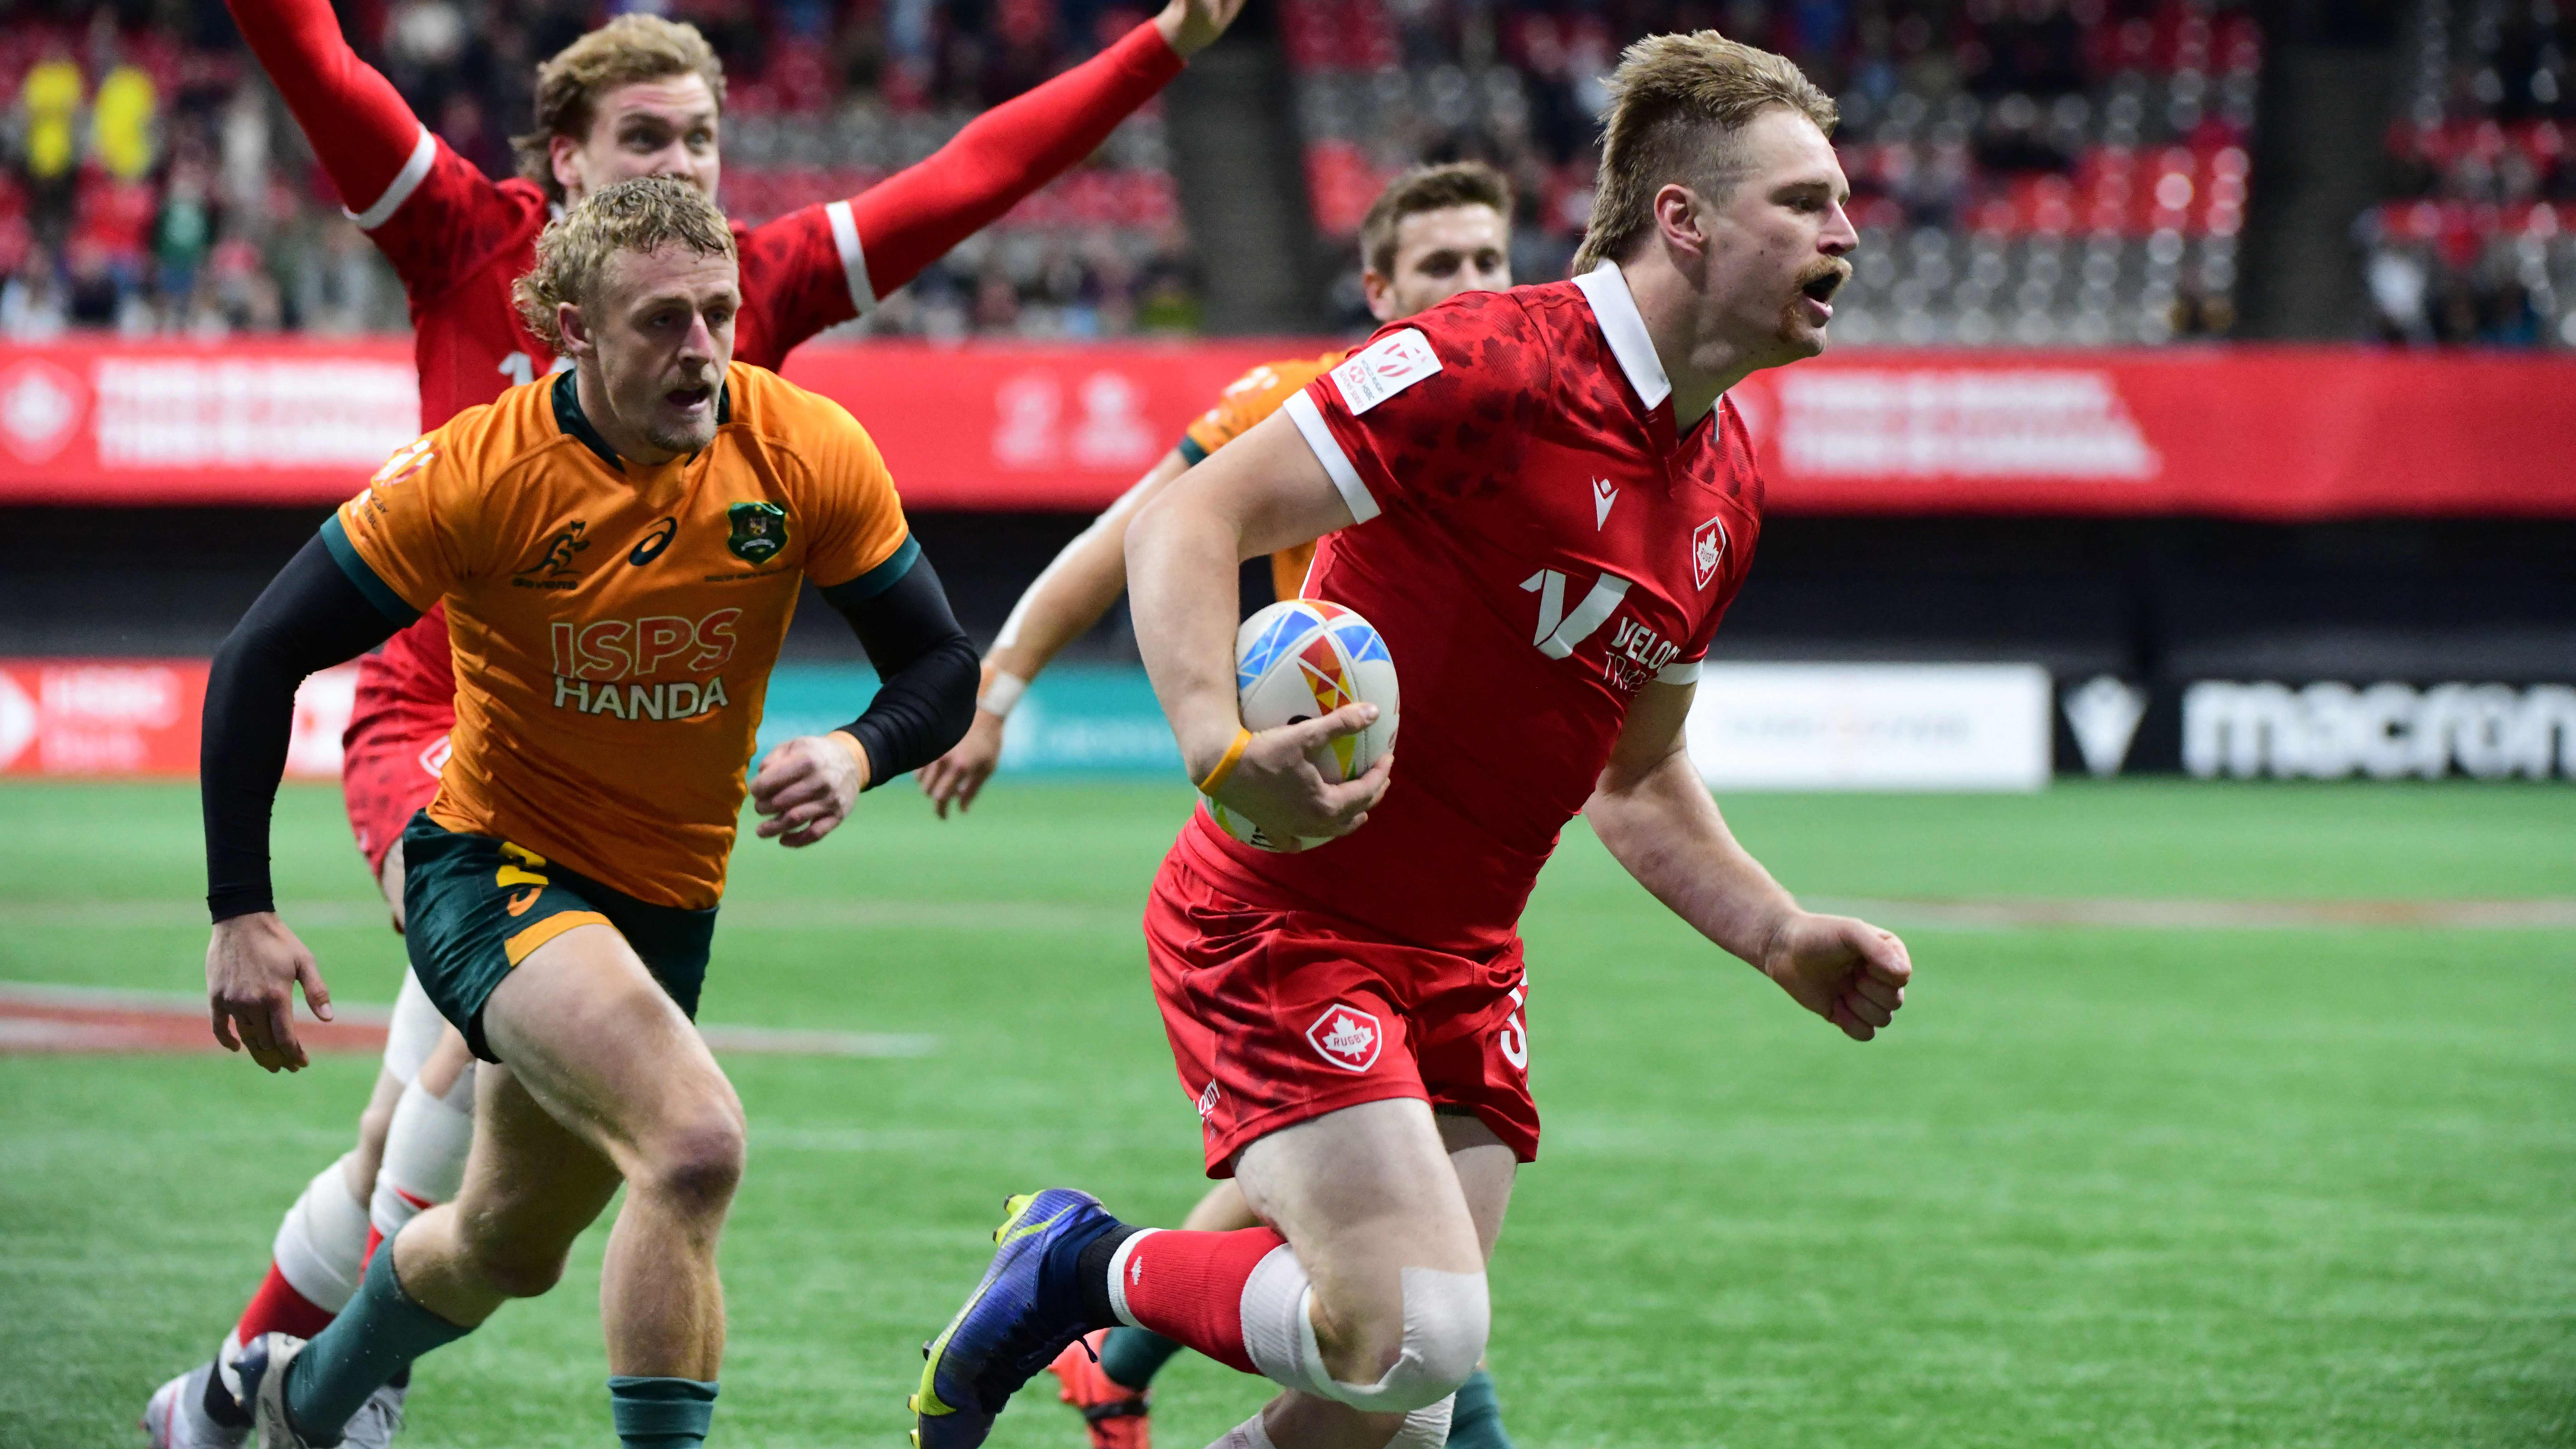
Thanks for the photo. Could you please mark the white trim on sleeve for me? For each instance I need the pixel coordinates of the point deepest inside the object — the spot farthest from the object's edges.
(1686, 672)
(854, 261)
(424, 154)
(1302, 411)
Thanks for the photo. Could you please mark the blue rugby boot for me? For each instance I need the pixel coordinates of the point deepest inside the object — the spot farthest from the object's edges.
(1029, 1305)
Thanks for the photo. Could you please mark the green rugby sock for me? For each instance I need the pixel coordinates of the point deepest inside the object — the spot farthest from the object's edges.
(659, 1413)
(375, 1337)
(1132, 1356)
(1476, 1420)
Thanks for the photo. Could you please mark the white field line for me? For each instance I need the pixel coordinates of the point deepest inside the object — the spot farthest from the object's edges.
(796, 915)
(2112, 913)
(756, 1040)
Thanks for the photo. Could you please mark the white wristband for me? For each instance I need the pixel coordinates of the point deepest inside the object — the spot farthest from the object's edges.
(1002, 695)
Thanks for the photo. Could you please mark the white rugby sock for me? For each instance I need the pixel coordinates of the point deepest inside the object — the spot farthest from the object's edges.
(323, 1240)
(425, 1151)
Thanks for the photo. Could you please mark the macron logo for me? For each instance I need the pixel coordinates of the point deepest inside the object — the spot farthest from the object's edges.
(1604, 493)
(1384, 368)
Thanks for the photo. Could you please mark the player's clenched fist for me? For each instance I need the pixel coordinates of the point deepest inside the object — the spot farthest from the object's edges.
(1273, 781)
(252, 967)
(1849, 972)
(807, 785)
(1190, 26)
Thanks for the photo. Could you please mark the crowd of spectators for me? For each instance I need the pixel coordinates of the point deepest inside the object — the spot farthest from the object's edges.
(2476, 242)
(2023, 170)
(154, 184)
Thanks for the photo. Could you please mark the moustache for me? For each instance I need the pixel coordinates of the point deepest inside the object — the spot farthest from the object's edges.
(1824, 278)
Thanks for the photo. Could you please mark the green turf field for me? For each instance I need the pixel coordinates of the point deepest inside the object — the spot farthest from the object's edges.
(2136, 1187)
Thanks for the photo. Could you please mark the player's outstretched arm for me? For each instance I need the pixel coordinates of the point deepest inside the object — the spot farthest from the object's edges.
(1265, 492)
(366, 138)
(1658, 820)
(926, 669)
(311, 616)
(1068, 596)
(897, 228)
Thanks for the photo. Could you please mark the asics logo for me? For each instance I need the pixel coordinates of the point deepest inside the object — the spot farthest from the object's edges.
(654, 542)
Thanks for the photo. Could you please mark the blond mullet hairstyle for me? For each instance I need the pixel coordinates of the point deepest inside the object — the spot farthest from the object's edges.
(642, 215)
(627, 49)
(1677, 103)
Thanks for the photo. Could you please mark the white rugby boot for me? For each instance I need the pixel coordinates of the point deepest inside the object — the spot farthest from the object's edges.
(262, 1371)
(262, 1368)
(177, 1419)
(377, 1420)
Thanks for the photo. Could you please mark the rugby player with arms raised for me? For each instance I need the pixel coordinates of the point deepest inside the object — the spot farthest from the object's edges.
(561, 889)
(1434, 232)
(1542, 501)
(639, 96)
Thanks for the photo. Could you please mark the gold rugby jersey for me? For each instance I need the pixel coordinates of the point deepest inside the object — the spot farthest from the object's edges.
(1247, 400)
(614, 624)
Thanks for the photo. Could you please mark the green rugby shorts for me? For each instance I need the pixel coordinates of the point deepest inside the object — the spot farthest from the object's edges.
(475, 906)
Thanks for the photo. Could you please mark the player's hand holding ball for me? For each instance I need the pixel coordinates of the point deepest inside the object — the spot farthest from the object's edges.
(1276, 793)
(252, 967)
(1849, 972)
(807, 786)
(1317, 695)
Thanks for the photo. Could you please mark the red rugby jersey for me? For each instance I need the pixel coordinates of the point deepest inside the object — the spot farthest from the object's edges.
(1535, 545)
(458, 240)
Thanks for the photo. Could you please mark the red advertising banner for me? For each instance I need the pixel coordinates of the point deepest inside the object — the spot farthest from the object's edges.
(128, 717)
(2258, 432)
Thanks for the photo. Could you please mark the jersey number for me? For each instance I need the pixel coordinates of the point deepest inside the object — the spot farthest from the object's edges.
(521, 369)
(1558, 631)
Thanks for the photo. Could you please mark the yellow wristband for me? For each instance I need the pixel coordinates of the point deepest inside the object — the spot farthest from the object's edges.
(1225, 766)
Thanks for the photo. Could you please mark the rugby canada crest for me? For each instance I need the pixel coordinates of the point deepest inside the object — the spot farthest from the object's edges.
(759, 532)
(1347, 1037)
(1708, 550)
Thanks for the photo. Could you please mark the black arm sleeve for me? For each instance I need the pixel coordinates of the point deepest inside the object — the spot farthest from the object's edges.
(926, 669)
(309, 617)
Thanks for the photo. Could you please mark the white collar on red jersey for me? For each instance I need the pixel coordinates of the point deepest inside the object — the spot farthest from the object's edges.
(1624, 328)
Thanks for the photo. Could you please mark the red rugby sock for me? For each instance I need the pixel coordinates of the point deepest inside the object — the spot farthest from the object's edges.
(278, 1308)
(1188, 1287)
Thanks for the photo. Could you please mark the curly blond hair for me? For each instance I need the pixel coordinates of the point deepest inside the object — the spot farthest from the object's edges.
(642, 215)
(1676, 104)
(627, 49)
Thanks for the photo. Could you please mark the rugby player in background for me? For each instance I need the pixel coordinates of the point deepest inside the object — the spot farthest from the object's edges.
(562, 886)
(1543, 502)
(1434, 232)
(639, 96)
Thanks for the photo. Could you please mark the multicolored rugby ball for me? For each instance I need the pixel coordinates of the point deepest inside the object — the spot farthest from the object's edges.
(1301, 658)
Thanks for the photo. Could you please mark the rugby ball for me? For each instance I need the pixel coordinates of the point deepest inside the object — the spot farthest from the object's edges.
(1301, 658)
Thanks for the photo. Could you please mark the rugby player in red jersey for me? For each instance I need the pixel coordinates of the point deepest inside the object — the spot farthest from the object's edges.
(640, 96)
(1434, 232)
(1544, 504)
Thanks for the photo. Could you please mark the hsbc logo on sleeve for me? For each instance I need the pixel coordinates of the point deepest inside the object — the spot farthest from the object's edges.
(1384, 368)
(1347, 1037)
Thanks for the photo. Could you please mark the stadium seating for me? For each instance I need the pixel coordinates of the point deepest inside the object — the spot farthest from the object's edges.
(2039, 172)
(2477, 239)
(156, 187)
